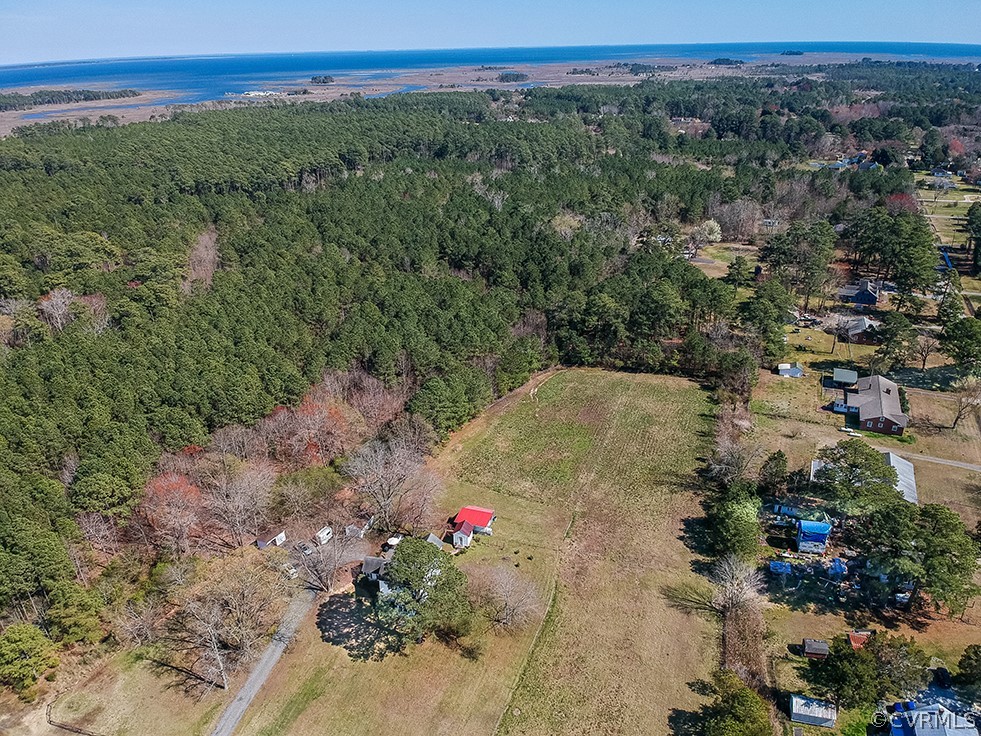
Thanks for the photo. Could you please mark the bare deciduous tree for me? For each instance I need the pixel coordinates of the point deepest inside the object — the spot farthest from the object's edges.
(968, 393)
(509, 601)
(221, 621)
(55, 308)
(324, 566)
(136, 622)
(731, 460)
(926, 345)
(99, 531)
(391, 477)
(737, 584)
(239, 498)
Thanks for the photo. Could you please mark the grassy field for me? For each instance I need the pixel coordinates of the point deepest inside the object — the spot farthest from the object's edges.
(120, 696)
(587, 476)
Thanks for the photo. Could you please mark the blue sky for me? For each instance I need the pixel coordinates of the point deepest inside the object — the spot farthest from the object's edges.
(36, 30)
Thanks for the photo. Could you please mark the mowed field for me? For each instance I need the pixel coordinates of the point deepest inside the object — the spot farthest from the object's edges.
(589, 474)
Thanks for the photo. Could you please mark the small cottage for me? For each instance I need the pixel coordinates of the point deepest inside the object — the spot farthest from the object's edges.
(462, 534)
(812, 712)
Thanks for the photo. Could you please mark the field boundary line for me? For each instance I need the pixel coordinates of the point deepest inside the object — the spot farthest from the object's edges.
(531, 651)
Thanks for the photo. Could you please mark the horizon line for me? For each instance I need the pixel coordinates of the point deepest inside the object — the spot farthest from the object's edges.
(232, 54)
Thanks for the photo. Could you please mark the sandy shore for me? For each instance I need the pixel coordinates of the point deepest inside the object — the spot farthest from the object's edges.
(153, 105)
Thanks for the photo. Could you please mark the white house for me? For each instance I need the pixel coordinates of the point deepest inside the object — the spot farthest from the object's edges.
(463, 535)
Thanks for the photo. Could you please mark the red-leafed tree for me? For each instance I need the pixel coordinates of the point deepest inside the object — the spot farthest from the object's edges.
(173, 506)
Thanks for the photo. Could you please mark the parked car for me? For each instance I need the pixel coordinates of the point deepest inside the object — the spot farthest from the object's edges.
(304, 548)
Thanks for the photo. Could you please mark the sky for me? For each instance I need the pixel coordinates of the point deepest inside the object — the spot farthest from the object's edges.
(45, 30)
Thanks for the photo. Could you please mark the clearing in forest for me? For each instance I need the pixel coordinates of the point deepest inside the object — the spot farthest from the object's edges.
(589, 476)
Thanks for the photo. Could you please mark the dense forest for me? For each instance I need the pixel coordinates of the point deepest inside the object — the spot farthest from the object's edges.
(17, 101)
(160, 282)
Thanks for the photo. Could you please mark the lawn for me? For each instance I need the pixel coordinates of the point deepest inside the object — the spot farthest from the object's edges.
(588, 475)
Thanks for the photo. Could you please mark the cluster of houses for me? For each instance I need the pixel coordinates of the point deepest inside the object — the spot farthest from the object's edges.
(859, 162)
(469, 520)
(903, 718)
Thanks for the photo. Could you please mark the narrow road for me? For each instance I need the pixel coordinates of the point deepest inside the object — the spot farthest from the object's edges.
(232, 715)
(931, 459)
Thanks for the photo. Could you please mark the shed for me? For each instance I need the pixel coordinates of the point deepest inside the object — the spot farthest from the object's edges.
(844, 377)
(481, 518)
(791, 370)
(812, 712)
(812, 536)
(435, 541)
(271, 538)
(816, 649)
(463, 534)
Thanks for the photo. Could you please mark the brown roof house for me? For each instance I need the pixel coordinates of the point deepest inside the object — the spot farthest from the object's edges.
(876, 402)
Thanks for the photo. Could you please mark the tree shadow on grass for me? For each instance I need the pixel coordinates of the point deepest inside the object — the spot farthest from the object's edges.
(347, 621)
(691, 722)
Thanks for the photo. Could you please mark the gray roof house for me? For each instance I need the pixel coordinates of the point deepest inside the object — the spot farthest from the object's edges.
(435, 541)
(373, 567)
(861, 329)
(877, 403)
(812, 712)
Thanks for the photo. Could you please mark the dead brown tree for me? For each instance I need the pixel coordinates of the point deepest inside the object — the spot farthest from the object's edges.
(509, 601)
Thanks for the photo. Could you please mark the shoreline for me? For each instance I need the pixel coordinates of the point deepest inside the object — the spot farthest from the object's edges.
(159, 104)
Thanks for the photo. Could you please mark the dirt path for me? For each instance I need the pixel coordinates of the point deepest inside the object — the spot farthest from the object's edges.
(297, 611)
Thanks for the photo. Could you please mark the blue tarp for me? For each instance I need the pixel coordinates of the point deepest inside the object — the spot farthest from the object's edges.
(838, 568)
(812, 531)
(780, 568)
